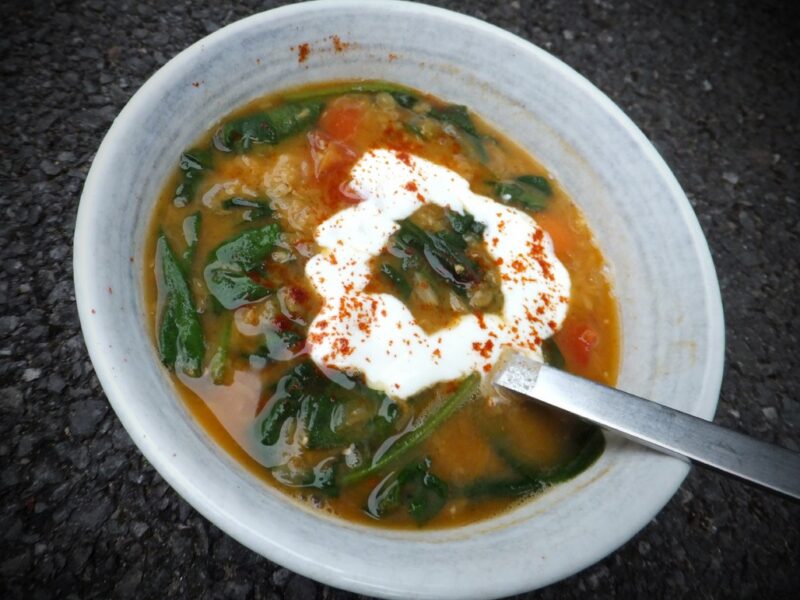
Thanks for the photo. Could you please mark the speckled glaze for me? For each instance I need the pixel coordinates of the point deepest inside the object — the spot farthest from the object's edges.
(663, 276)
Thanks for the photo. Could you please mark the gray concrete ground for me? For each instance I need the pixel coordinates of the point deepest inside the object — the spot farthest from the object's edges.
(82, 515)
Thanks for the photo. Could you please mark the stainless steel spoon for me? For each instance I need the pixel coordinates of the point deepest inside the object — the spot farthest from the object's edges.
(660, 427)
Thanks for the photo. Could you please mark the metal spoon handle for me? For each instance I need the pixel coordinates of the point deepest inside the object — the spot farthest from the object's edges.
(660, 427)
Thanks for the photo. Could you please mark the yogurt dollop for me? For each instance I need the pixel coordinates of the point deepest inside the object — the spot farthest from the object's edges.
(376, 334)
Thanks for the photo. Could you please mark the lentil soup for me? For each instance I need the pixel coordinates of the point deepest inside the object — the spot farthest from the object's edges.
(238, 286)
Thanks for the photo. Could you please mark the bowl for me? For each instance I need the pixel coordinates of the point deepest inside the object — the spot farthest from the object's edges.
(672, 329)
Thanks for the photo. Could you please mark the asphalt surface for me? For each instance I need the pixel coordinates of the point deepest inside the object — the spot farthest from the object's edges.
(82, 515)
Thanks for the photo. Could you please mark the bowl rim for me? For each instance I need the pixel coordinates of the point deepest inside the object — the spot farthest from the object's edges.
(193, 492)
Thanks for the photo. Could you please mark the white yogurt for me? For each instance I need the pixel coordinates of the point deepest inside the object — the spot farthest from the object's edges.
(376, 334)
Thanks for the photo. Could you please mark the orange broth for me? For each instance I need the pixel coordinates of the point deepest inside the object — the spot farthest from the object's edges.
(301, 181)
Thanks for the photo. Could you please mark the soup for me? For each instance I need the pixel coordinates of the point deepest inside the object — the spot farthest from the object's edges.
(332, 272)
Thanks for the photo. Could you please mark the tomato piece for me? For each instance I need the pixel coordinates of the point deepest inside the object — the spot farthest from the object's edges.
(341, 121)
(577, 342)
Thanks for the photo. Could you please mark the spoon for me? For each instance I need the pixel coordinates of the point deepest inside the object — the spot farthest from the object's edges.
(665, 429)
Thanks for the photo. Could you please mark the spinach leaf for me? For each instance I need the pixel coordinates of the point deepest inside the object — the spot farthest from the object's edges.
(226, 271)
(532, 479)
(592, 444)
(444, 252)
(409, 259)
(218, 364)
(325, 475)
(538, 182)
(421, 492)
(414, 129)
(363, 416)
(529, 191)
(420, 433)
(321, 476)
(271, 126)
(180, 336)
(329, 414)
(502, 488)
(293, 475)
(273, 422)
(464, 224)
(253, 210)
(396, 278)
(323, 415)
(191, 234)
(283, 402)
(193, 165)
(552, 354)
(280, 346)
(405, 99)
(402, 95)
(315, 414)
(458, 116)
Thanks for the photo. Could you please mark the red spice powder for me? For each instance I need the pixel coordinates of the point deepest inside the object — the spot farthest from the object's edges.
(484, 349)
(531, 318)
(303, 50)
(411, 186)
(338, 44)
(537, 252)
(342, 346)
(404, 158)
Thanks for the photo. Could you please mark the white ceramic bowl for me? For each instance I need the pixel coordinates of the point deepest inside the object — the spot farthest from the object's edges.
(664, 280)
